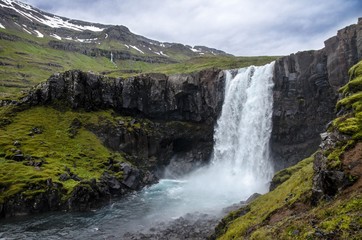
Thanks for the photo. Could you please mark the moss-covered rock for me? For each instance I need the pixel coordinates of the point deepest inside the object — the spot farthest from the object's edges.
(50, 161)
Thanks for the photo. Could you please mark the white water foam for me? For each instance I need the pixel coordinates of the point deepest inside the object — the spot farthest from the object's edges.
(241, 164)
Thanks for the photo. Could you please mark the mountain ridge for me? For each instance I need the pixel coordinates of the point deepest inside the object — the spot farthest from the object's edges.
(39, 23)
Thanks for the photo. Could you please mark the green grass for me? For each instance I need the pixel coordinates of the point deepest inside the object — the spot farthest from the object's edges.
(84, 154)
(285, 174)
(297, 187)
(29, 60)
(29, 64)
(221, 62)
(285, 213)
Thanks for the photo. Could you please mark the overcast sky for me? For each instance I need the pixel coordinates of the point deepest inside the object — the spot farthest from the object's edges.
(239, 27)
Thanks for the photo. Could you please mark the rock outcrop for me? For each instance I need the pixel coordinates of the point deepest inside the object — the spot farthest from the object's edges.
(172, 115)
(49, 195)
(189, 97)
(328, 180)
(305, 94)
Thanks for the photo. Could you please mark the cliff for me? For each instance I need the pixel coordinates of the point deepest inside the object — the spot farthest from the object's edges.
(306, 91)
(80, 139)
(180, 111)
(189, 97)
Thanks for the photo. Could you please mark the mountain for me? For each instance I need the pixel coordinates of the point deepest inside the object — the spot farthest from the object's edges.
(35, 44)
(23, 17)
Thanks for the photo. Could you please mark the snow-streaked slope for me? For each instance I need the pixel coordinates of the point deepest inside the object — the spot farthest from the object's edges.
(36, 15)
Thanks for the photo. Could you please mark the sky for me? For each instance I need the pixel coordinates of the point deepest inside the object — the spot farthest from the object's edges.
(239, 27)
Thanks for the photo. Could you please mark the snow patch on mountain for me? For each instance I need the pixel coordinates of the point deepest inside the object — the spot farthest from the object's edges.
(39, 34)
(55, 36)
(52, 21)
(2, 26)
(136, 48)
(195, 50)
(163, 54)
(89, 40)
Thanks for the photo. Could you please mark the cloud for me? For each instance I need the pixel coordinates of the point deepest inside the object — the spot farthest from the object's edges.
(248, 27)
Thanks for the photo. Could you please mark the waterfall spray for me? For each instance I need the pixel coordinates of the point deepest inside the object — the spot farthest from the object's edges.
(241, 163)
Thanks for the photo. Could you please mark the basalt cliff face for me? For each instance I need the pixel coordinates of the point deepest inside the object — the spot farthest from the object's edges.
(181, 111)
(306, 91)
(189, 97)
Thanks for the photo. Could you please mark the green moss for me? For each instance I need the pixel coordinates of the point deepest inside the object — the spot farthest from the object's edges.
(355, 71)
(341, 216)
(339, 219)
(350, 126)
(84, 154)
(351, 123)
(348, 101)
(285, 174)
(296, 188)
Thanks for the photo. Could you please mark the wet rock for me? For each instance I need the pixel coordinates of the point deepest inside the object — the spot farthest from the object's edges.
(84, 197)
(131, 176)
(18, 157)
(64, 177)
(327, 180)
(110, 181)
(252, 198)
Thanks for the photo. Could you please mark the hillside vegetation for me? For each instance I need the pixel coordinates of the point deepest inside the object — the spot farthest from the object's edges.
(26, 60)
(46, 145)
(288, 212)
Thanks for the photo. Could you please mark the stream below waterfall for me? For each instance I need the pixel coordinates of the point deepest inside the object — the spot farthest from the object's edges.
(240, 166)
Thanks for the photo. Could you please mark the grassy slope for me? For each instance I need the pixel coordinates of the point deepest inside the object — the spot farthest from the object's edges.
(286, 213)
(54, 147)
(28, 61)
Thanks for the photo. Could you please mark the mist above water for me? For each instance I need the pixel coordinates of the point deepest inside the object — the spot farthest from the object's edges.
(241, 164)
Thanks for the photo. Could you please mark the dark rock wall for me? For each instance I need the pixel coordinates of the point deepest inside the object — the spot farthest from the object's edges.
(175, 114)
(189, 97)
(306, 91)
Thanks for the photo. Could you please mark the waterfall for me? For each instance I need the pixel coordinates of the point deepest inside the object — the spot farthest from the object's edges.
(241, 163)
(244, 127)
